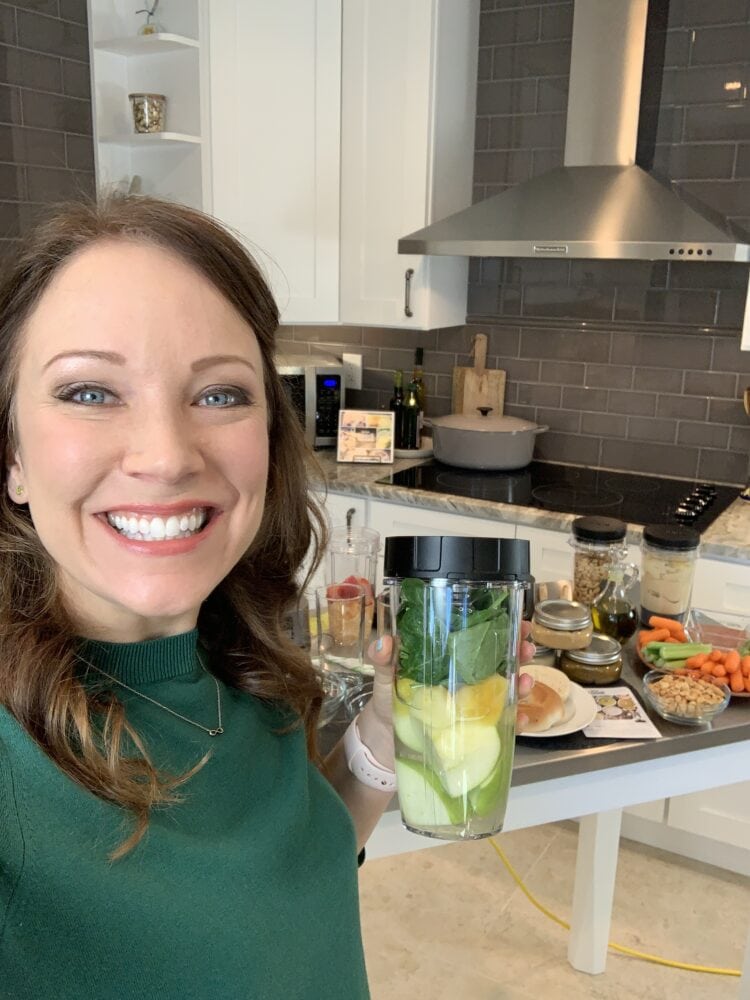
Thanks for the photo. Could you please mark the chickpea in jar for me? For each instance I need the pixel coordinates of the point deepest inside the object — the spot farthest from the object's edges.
(598, 544)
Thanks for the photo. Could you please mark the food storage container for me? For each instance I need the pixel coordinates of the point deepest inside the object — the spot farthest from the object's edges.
(149, 112)
(454, 699)
(669, 552)
(599, 663)
(561, 624)
(598, 543)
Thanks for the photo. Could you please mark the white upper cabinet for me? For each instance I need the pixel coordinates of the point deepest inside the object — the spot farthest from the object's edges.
(337, 127)
(275, 101)
(409, 70)
(174, 163)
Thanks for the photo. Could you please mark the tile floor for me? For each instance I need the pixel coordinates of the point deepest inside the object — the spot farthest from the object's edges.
(449, 923)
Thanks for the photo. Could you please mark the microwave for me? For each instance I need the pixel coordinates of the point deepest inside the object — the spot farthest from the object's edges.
(315, 386)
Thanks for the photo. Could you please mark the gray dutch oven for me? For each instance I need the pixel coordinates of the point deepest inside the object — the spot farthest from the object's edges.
(483, 441)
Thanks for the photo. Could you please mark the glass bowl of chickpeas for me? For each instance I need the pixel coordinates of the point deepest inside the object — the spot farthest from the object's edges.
(685, 700)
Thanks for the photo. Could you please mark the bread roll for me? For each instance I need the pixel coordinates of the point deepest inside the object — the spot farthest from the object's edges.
(550, 676)
(543, 708)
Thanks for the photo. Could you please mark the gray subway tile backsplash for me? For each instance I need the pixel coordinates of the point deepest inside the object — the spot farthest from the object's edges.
(632, 364)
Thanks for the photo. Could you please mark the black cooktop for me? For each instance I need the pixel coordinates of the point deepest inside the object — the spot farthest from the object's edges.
(571, 489)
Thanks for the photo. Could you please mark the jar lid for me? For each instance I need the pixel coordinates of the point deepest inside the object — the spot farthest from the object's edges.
(599, 529)
(602, 649)
(671, 536)
(567, 616)
(158, 97)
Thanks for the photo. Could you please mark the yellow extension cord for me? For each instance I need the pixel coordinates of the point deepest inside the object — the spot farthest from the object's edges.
(615, 947)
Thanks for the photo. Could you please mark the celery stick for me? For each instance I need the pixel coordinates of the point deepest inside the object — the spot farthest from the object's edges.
(682, 650)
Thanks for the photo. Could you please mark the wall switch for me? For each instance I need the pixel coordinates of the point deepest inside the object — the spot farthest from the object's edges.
(352, 370)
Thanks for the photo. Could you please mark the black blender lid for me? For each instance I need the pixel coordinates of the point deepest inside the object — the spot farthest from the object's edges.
(451, 557)
(671, 536)
(599, 529)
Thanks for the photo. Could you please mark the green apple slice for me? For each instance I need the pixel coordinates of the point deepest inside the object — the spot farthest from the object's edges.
(422, 799)
(464, 755)
(485, 798)
(408, 728)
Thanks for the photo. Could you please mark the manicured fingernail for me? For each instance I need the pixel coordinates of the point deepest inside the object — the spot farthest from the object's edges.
(379, 644)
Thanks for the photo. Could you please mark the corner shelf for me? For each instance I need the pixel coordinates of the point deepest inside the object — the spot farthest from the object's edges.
(153, 139)
(141, 45)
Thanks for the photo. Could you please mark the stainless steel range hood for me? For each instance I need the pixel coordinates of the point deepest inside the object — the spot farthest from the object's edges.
(599, 204)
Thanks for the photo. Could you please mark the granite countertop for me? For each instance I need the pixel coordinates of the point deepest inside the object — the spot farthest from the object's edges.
(727, 538)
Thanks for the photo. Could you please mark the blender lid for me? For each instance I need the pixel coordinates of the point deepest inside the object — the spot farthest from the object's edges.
(450, 557)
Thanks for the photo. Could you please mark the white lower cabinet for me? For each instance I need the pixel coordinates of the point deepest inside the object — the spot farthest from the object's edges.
(712, 826)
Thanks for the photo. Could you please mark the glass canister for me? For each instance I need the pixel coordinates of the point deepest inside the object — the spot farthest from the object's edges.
(598, 543)
(561, 624)
(599, 663)
(669, 552)
(149, 112)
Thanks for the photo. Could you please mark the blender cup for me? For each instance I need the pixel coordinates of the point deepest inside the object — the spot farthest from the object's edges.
(352, 556)
(454, 698)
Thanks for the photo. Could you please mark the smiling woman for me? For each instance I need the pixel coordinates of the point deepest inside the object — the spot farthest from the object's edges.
(153, 519)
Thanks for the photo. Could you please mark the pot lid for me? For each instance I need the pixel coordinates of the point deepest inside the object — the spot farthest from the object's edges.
(485, 421)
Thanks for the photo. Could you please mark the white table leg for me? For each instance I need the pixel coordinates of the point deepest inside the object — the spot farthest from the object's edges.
(596, 867)
(744, 993)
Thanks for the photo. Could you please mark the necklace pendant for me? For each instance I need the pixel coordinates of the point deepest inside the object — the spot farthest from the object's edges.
(216, 732)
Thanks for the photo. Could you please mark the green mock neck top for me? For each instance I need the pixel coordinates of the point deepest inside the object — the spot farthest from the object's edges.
(245, 889)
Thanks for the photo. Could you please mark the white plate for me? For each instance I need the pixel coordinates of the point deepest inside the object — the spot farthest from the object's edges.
(584, 712)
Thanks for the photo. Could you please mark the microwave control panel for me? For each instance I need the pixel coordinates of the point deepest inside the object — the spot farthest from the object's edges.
(328, 404)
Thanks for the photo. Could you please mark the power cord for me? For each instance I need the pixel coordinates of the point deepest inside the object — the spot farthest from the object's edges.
(644, 956)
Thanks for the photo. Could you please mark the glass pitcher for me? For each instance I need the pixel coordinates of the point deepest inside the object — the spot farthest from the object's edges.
(454, 701)
(613, 610)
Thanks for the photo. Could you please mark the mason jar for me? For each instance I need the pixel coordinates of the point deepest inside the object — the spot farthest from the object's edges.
(561, 624)
(599, 663)
(149, 112)
(598, 544)
(669, 552)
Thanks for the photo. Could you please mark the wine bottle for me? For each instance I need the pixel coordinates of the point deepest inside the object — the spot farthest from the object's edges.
(411, 418)
(418, 376)
(397, 406)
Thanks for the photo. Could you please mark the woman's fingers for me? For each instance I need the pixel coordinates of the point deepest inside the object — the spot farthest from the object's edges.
(380, 651)
(525, 684)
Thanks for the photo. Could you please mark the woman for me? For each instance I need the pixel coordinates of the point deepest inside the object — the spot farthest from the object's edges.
(167, 827)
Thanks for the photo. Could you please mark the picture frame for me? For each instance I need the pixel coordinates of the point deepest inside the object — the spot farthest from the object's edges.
(365, 436)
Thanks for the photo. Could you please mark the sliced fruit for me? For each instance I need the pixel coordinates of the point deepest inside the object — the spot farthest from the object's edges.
(485, 798)
(407, 727)
(430, 705)
(464, 755)
(404, 688)
(484, 701)
(423, 801)
(365, 584)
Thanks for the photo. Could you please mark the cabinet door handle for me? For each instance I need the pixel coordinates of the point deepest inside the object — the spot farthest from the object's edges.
(407, 291)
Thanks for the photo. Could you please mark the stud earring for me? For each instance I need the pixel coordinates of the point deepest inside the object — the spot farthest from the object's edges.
(19, 490)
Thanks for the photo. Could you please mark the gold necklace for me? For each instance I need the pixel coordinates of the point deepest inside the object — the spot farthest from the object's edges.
(217, 730)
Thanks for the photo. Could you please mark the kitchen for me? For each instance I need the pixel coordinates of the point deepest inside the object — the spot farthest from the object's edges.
(589, 347)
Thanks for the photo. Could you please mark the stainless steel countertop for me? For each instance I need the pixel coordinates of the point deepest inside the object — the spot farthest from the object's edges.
(544, 760)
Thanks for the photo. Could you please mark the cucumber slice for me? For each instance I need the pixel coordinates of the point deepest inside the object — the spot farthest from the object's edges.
(407, 727)
(422, 800)
(464, 755)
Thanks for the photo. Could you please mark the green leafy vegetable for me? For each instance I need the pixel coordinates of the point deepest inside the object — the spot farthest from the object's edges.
(449, 634)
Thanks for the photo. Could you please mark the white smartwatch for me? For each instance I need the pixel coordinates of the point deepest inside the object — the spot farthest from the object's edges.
(363, 765)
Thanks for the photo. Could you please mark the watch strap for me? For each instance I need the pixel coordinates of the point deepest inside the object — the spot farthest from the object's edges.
(363, 765)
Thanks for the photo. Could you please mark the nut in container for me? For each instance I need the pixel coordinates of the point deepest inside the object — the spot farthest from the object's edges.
(149, 112)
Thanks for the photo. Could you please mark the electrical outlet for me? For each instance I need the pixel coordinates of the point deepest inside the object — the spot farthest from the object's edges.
(352, 370)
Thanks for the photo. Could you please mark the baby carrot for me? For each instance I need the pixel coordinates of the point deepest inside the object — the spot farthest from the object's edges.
(654, 635)
(717, 656)
(737, 682)
(698, 660)
(732, 661)
(745, 665)
(747, 685)
(719, 670)
(707, 667)
(672, 626)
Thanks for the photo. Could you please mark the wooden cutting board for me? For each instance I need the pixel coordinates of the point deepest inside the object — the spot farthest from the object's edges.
(478, 386)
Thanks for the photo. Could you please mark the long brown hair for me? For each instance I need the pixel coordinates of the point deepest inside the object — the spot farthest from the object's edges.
(241, 622)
